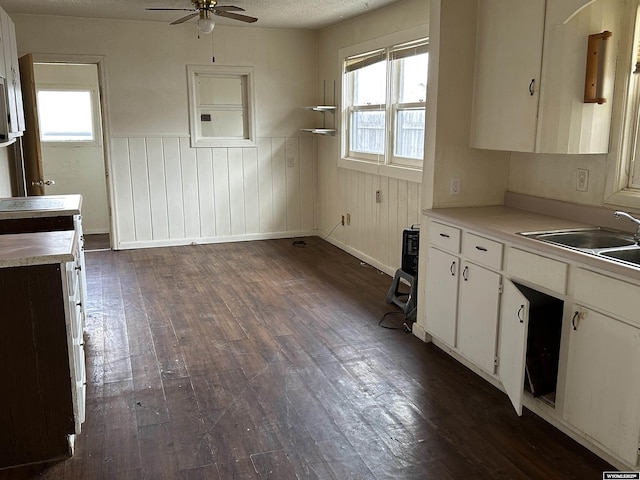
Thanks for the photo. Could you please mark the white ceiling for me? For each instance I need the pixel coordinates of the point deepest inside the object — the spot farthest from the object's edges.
(305, 14)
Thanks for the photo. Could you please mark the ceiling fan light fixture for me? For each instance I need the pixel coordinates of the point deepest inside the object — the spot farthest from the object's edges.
(205, 25)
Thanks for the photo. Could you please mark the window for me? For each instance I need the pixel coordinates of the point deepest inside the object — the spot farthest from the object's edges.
(384, 104)
(68, 115)
(220, 106)
(623, 182)
(634, 110)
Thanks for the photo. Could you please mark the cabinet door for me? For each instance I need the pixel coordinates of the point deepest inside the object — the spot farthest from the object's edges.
(514, 323)
(478, 315)
(602, 396)
(508, 61)
(441, 295)
(14, 89)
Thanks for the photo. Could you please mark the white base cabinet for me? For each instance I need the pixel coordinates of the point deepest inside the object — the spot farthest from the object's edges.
(602, 396)
(554, 335)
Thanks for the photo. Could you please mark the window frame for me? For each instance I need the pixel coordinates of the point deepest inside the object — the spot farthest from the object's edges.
(385, 165)
(625, 134)
(95, 114)
(245, 74)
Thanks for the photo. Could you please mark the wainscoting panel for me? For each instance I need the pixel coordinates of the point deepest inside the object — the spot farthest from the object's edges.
(375, 232)
(167, 193)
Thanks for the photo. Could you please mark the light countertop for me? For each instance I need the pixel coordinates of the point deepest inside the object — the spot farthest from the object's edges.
(42, 206)
(505, 223)
(25, 249)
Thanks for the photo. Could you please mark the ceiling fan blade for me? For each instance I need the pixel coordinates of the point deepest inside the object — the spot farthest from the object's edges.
(180, 9)
(235, 16)
(228, 8)
(185, 18)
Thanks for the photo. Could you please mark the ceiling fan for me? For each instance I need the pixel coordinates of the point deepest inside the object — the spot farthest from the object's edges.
(204, 9)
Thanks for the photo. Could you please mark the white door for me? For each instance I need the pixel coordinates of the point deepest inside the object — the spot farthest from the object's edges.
(507, 76)
(514, 324)
(478, 315)
(441, 297)
(603, 382)
(72, 150)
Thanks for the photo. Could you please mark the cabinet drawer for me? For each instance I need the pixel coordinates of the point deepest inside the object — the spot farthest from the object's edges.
(620, 298)
(482, 250)
(445, 237)
(538, 270)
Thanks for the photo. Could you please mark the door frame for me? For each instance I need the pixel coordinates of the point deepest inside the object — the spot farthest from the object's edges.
(100, 61)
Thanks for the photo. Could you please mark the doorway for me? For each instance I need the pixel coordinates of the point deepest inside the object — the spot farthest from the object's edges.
(70, 120)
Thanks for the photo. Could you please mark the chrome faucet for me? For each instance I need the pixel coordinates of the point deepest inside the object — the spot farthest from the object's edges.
(636, 236)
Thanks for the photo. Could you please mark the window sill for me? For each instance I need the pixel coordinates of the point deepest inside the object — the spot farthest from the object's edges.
(626, 198)
(221, 143)
(410, 174)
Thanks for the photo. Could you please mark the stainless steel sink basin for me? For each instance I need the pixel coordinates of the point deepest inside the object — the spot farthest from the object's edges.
(614, 245)
(585, 239)
(630, 255)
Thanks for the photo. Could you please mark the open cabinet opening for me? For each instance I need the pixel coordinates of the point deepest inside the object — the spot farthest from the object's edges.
(543, 344)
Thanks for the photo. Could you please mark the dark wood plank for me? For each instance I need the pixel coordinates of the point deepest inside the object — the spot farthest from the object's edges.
(261, 360)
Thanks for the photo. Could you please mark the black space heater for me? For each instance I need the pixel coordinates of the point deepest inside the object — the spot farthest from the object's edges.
(410, 244)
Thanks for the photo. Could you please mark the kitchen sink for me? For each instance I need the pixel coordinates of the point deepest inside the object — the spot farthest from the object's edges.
(606, 243)
(585, 239)
(630, 255)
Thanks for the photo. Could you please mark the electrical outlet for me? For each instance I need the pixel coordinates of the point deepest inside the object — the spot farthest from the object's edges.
(378, 196)
(348, 219)
(455, 186)
(582, 180)
(291, 161)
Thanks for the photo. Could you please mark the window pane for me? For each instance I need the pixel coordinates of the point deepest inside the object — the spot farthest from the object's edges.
(369, 84)
(413, 78)
(220, 90)
(409, 134)
(65, 116)
(367, 132)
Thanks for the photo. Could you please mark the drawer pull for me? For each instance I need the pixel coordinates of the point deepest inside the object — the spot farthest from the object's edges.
(445, 235)
(465, 273)
(482, 249)
(520, 310)
(452, 268)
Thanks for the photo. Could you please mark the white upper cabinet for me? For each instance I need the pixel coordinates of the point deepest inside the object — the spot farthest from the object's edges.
(12, 75)
(507, 74)
(530, 75)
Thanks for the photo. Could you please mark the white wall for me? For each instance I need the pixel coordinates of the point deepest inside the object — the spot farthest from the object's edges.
(165, 191)
(484, 174)
(375, 233)
(76, 168)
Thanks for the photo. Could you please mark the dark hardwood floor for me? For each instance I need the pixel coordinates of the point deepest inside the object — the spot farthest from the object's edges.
(261, 360)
